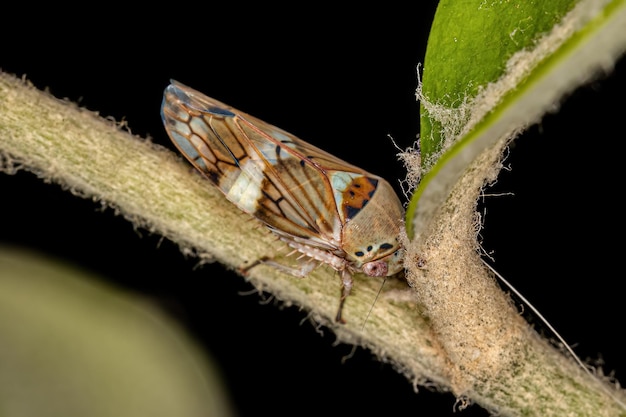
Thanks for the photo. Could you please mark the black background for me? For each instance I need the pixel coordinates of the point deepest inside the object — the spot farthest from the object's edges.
(342, 80)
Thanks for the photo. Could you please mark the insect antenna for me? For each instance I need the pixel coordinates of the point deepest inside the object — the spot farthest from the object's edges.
(380, 290)
(553, 330)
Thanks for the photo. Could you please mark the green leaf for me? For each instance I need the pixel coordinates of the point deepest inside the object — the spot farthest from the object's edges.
(493, 68)
(469, 46)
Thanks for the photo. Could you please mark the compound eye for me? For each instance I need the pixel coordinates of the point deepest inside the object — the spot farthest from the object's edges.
(375, 269)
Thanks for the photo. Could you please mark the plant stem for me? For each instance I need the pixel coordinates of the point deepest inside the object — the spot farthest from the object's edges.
(495, 358)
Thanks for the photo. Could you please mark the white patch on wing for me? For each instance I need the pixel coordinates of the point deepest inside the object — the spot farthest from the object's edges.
(246, 189)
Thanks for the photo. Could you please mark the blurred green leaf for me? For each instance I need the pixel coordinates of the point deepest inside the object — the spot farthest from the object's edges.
(71, 346)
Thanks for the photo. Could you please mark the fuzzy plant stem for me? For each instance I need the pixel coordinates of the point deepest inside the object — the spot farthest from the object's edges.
(483, 351)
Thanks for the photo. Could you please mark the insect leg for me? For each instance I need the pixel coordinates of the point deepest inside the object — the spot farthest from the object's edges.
(244, 269)
(346, 287)
(303, 271)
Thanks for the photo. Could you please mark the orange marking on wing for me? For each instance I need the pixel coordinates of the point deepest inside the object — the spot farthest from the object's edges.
(357, 195)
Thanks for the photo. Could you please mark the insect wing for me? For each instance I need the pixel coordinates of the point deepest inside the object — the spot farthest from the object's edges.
(287, 183)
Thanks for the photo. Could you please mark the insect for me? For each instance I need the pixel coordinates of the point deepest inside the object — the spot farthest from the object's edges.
(327, 209)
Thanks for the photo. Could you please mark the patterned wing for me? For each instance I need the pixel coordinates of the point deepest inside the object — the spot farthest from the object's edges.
(295, 188)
